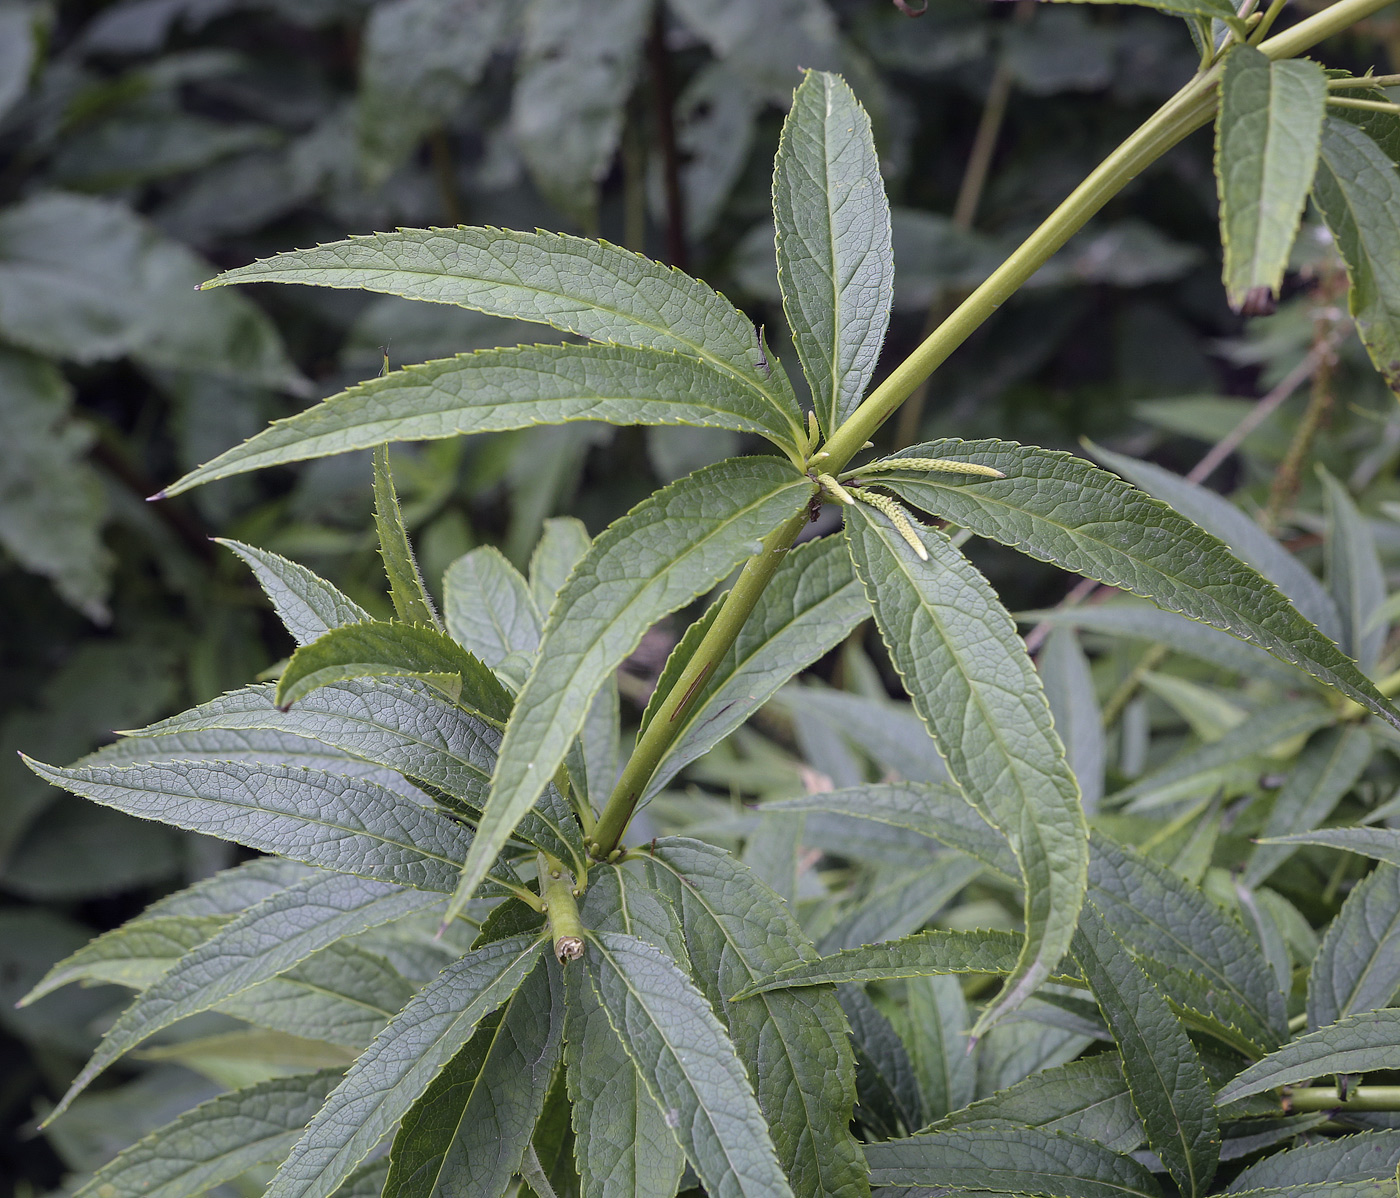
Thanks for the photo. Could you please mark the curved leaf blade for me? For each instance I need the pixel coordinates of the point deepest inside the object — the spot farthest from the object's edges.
(1354, 1044)
(835, 258)
(663, 553)
(305, 603)
(1062, 509)
(1160, 1064)
(406, 587)
(382, 1085)
(689, 1066)
(958, 652)
(597, 290)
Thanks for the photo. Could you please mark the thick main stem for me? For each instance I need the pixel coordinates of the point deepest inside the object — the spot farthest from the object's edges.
(665, 725)
(1185, 112)
(1326, 1098)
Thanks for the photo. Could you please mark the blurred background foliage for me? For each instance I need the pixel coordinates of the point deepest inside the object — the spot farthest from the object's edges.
(145, 143)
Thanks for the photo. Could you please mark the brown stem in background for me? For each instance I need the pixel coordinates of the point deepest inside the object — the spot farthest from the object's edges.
(634, 183)
(195, 537)
(445, 172)
(1290, 473)
(974, 183)
(659, 59)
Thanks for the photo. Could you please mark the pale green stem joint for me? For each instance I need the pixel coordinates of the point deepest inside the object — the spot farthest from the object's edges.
(561, 908)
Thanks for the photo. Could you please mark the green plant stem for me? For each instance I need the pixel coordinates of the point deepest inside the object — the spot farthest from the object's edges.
(1366, 81)
(1185, 112)
(653, 743)
(1325, 1098)
(1364, 105)
(560, 908)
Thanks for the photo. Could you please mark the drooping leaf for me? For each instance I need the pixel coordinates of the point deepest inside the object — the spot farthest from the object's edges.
(1160, 1064)
(1062, 509)
(1246, 539)
(923, 954)
(580, 57)
(1358, 966)
(488, 607)
(406, 587)
(51, 501)
(624, 1145)
(1370, 1155)
(329, 820)
(1358, 190)
(1267, 134)
(812, 602)
(561, 547)
(1354, 573)
(938, 812)
(793, 1045)
(1174, 927)
(493, 390)
(663, 553)
(256, 946)
(1356, 1043)
(594, 289)
(215, 1142)
(309, 606)
(1069, 689)
(397, 724)
(1326, 769)
(1086, 1098)
(835, 260)
(688, 1063)
(467, 1132)
(383, 1084)
(1009, 1160)
(957, 649)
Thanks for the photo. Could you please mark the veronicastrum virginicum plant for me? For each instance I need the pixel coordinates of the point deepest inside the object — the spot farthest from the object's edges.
(464, 769)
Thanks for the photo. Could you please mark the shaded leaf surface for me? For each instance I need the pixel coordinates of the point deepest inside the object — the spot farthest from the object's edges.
(1355, 1044)
(1358, 966)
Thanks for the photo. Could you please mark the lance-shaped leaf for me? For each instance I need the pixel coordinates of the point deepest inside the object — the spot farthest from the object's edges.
(1358, 190)
(1086, 1098)
(1010, 1160)
(1267, 134)
(936, 811)
(406, 587)
(591, 288)
(1062, 509)
(1370, 1155)
(975, 688)
(811, 604)
(1358, 966)
(230, 891)
(1198, 769)
(488, 607)
(561, 547)
(388, 648)
(134, 955)
(406, 1056)
(400, 725)
(623, 1144)
(664, 552)
(469, 1130)
(1160, 1064)
(835, 259)
(305, 603)
(216, 1141)
(1325, 770)
(1354, 573)
(924, 954)
(888, 1101)
(1357, 1043)
(1170, 925)
(329, 820)
(689, 1065)
(936, 1037)
(497, 389)
(1069, 689)
(258, 945)
(794, 1045)
(1380, 844)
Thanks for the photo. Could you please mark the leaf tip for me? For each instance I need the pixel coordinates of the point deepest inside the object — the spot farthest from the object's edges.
(161, 494)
